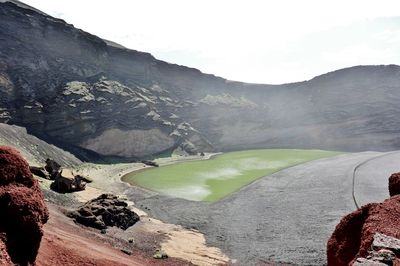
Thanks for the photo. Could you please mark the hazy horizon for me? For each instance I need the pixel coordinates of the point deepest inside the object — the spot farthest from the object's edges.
(256, 41)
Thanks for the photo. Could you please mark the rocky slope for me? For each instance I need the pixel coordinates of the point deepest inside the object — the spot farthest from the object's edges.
(98, 99)
(66, 243)
(34, 150)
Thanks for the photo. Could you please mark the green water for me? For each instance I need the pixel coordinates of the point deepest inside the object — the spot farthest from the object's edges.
(213, 179)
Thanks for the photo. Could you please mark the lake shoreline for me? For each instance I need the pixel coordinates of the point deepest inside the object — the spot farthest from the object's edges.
(164, 161)
(177, 241)
(222, 223)
(272, 218)
(213, 180)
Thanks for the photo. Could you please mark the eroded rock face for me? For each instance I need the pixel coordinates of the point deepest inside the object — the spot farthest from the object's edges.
(72, 88)
(345, 241)
(103, 211)
(354, 234)
(394, 184)
(131, 143)
(82, 88)
(22, 209)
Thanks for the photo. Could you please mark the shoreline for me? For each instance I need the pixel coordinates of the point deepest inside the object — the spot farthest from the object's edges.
(191, 230)
(229, 224)
(107, 174)
(159, 180)
(164, 162)
(177, 241)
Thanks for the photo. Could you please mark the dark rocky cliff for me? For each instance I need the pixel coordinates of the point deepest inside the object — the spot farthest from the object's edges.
(73, 89)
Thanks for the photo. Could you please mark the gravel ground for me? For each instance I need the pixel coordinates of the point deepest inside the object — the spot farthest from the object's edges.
(371, 178)
(284, 217)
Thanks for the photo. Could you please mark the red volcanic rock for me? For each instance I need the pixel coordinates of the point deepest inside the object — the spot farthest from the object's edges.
(394, 184)
(22, 210)
(354, 234)
(345, 240)
(4, 258)
(14, 169)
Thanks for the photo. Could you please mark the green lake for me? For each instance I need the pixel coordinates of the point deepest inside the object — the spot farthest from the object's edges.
(213, 179)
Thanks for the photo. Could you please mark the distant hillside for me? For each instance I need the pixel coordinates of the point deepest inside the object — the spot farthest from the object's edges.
(73, 89)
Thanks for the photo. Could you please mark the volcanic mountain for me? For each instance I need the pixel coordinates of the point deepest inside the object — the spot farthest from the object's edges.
(100, 100)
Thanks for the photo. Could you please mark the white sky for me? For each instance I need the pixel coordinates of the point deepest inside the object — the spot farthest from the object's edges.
(259, 41)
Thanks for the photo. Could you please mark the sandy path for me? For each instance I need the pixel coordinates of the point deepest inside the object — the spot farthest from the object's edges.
(189, 245)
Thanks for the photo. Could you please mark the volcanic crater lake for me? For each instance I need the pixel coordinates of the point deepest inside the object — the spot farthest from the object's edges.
(215, 178)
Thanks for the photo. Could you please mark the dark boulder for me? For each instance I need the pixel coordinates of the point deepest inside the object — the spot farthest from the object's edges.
(66, 182)
(394, 184)
(39, 171)
(150, 163)
(105, 211)
(53, 168)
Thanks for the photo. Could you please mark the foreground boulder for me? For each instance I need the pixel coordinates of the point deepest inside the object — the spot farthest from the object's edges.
(22, 208)
(103, 211)
(354, 235)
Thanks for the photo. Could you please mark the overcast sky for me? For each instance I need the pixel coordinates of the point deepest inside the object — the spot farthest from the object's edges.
(247, 40)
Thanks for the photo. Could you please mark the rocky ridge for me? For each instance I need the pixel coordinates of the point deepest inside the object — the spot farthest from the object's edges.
(86, 106)
(99, 100)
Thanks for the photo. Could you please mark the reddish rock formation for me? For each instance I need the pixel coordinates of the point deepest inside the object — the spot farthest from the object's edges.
(4, 257)
(394, 184)
(346, 239)
(354, 234)
(22, 210)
